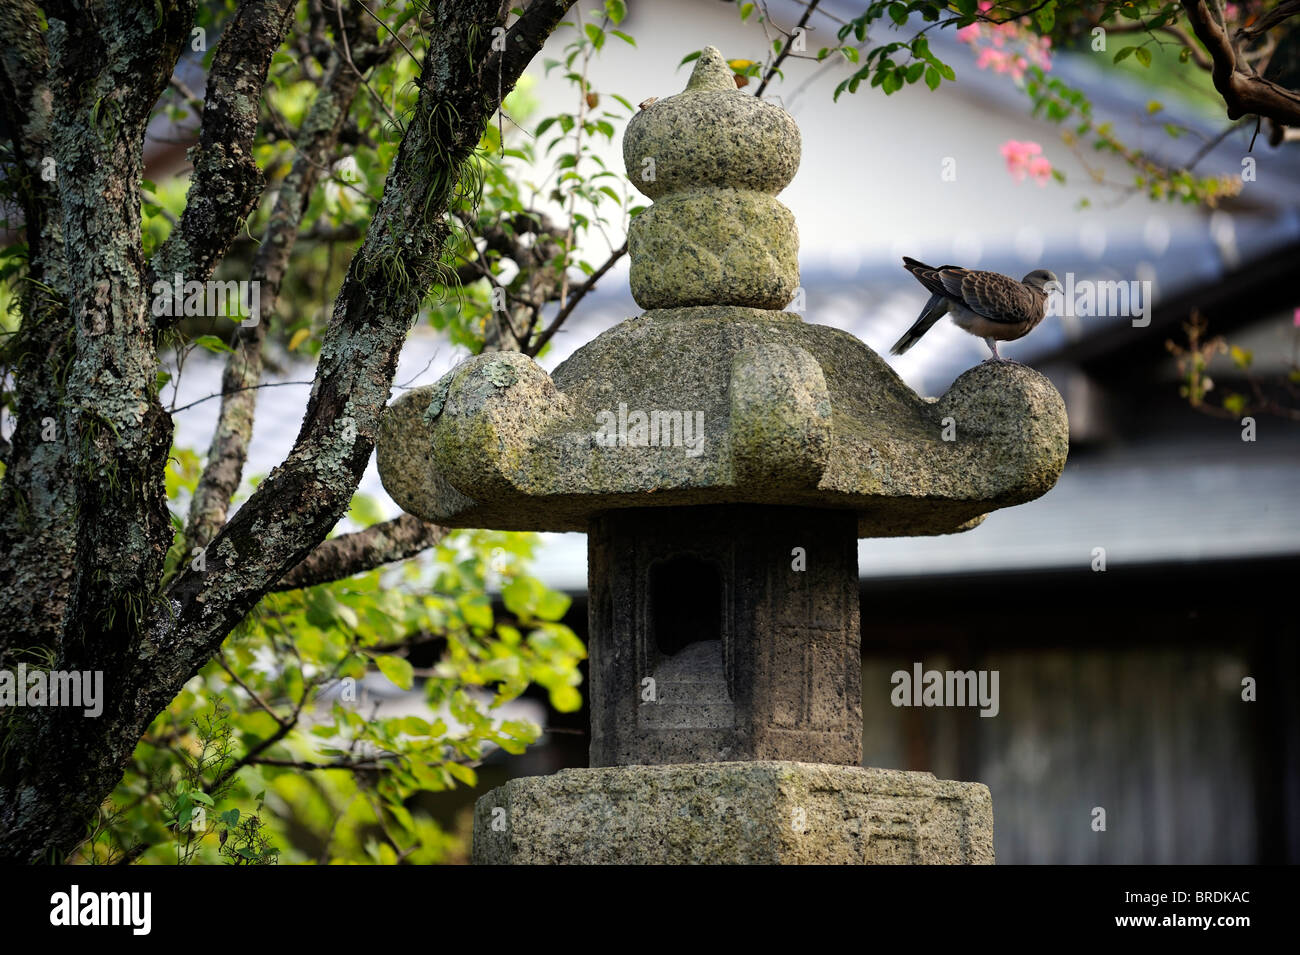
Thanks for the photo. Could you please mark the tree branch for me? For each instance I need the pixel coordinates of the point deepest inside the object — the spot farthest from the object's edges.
(1243, 91)
(785, 50)
(1269, 19)
(315, 144)
(302, 499)
(578, 294)
(349, 554)
(226, 182)
(523, 40)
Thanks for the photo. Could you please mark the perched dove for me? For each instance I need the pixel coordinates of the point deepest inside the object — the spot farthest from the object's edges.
(991, 306)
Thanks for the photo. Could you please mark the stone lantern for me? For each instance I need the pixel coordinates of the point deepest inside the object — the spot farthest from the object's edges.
(723, 457)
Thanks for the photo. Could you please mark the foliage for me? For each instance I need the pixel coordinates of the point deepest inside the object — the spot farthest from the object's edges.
(286, 737)
(887, 47)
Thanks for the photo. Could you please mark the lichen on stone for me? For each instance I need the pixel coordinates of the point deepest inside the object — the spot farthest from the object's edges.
(437, 400)
(501, 374)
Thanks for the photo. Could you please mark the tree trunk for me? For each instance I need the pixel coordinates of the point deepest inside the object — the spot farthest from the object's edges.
(85, 527)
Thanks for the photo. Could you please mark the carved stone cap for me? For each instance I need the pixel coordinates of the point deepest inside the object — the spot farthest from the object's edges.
(713, 159)
(719, 409)
(711, 134)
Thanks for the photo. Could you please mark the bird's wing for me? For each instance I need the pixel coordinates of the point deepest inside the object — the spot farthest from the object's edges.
(934, 279)
(999, 298)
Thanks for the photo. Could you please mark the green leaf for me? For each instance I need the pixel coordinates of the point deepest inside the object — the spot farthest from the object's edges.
(566, 699)
(519, 596)
(898, 13)
(624, 37)
(745, 10)
(198, 795)
(616, 10)
(396, 669)
(914, 72)
(463, 773)
(932, 78)
(1124, 53)
(476, 611)
(688, 57)
(212, 343)
(1143, 56)
(553, 605)
(415, 726)
(1046, 17)
(595, 34)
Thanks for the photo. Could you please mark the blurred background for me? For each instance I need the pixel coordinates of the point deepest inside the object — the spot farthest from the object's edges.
(1120, 688)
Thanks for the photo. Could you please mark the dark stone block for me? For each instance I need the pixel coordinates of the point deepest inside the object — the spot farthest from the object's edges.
(708, 644)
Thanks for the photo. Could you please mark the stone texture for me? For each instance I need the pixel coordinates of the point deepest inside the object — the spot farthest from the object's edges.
(711, 134)
(721, 246)
(794, 414)
(713, 159)
(735, 813)
(711, 640)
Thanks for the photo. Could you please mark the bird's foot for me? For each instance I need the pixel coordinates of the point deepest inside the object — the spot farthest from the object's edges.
(999, 360)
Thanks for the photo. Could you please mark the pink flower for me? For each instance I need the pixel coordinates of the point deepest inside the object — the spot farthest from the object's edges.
(1006, 47)
(1040, 167)
(1026, 159)
(999, 60)
(1297, 318)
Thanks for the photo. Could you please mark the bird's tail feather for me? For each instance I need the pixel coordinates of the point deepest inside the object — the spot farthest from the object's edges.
(935, 309)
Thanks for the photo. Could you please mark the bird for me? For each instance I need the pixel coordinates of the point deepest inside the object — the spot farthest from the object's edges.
(989, 305)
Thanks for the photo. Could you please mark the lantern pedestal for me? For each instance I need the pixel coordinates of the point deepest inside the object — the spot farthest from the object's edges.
(750, 813)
